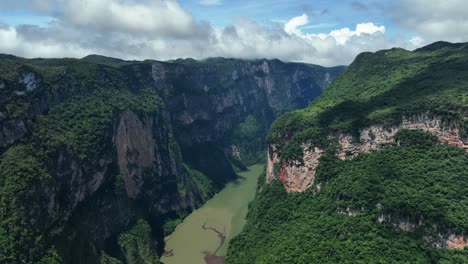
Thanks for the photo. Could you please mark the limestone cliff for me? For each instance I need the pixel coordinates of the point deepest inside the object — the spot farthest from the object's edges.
(298, 175)
(138, 150)
(207, 99)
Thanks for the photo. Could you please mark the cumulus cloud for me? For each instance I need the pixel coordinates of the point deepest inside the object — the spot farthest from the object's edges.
(340, 46)
(432, 20)
(156, 17)
(162, 30)
(13, 42)
(341, 36)
(291, 27)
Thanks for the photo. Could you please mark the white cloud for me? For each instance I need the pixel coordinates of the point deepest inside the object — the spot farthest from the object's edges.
(344, 34)
(340, 46)
(291, 27)
(164, 30)
(341, 36)
(145, 17)
(433, 20)
(417, 41)
(14, 43)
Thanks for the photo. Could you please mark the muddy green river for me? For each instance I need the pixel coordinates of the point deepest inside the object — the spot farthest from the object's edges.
(203, 236)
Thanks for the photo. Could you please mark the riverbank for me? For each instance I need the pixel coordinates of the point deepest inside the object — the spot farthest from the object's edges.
(203, 237)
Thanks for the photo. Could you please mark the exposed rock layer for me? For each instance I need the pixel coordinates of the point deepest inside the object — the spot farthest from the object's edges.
(298, 176)
(457, 241)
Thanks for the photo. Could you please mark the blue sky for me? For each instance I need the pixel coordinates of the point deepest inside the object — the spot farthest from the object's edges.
(320, 32)
(19, 17)
(226, 12)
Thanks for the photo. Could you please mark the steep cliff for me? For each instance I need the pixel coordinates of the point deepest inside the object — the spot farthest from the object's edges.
(374, 170)
(97, 154)
(299, 175)
(379, 95)
(209, 99)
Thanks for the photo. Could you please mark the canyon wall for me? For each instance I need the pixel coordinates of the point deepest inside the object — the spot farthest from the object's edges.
(208, 98)
(298, 175)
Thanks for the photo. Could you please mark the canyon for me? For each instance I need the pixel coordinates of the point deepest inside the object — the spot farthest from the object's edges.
(119, 141)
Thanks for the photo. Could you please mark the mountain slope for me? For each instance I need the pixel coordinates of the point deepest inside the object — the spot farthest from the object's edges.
(97, 153)
(373, 171)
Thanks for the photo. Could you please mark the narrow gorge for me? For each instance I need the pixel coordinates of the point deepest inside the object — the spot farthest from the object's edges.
(100, 156)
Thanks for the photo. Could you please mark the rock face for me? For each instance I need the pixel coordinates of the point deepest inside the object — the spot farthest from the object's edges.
(135, 151)
(374, 137)
(84, 203)
(11, 131)
(456, 241)
(298, 176)
(207, 98)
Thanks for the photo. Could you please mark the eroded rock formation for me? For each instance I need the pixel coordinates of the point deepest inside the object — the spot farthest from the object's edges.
(296, 175)
(457, 241)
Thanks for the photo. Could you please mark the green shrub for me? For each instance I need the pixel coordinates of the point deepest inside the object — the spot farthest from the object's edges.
(138, 245)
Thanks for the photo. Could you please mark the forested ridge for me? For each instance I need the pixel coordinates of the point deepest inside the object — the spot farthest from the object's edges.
(396, 204)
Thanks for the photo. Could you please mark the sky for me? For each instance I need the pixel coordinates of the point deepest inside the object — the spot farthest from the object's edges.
(321, 32)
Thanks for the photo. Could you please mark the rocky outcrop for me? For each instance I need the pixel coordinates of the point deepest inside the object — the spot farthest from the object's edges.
(374, 137)
(13, 128)
(29, 82)
(456, 241)
(135, 151)
(448, 241)
(11, 131)
(147, 153)
(298, 176)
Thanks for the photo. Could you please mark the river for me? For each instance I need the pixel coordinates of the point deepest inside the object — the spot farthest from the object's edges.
(204, 235)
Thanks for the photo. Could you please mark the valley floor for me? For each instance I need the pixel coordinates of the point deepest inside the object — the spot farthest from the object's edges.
(203, 236)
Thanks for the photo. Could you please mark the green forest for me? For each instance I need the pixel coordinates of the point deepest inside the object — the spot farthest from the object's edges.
(79, 124)
(395, 205)
(382, 88)
(420, 182)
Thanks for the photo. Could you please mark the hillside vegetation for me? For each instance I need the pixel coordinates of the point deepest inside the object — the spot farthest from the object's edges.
(79, 124)
(395, 205)
(382, 88)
